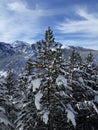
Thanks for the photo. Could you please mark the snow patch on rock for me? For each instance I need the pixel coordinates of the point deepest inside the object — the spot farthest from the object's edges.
(71, 114)
(45, 117)
(61, 80)
(65, 47)
(38, 96)
(36, 84)
(3, 73)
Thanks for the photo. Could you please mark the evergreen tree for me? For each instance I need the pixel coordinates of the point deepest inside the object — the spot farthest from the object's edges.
(27, 113)
(7, 107)
(82, 82)
(12, 92)
(53, 90)
(27, 117)
(75, 59)
(89, 58)
(10, 82)
(90, 71)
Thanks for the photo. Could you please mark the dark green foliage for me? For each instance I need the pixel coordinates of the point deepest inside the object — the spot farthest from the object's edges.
(75, 59)
(83, 82)
(7, 92)
(27, 118)
(89, 58)
(48, 67)
(10, 81)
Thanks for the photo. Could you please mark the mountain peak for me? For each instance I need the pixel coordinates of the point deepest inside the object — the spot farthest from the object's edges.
(19, 43)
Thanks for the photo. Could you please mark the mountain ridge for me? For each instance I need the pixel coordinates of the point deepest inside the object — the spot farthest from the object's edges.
(17, 53)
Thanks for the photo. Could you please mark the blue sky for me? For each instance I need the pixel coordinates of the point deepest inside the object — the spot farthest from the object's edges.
(74, 22)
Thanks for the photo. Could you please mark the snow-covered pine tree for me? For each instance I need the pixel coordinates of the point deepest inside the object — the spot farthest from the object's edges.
(75, 59)
(11, 95)
(90, 72)
(7, 111)
(52, 95)
(90, 58)
(83, 93)
(73, 64)
(91, 81)
(27, 113)
(10, 81)
(4, 121)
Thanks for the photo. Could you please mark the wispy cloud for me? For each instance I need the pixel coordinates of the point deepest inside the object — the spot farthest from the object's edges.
(82, 29)
(88, 25)
(17, 21)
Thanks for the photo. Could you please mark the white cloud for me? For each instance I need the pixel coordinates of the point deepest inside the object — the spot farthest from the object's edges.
(17, 6)
(83, 32)
(17, 21)
(87, 26)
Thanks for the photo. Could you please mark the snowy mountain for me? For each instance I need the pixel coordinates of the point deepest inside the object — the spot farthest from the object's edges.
(17, 53)
(6, 50)
(19, 44)
(21, 47)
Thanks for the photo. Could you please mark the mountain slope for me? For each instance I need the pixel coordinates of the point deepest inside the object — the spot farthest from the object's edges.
(17, 53)
(6, 50)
